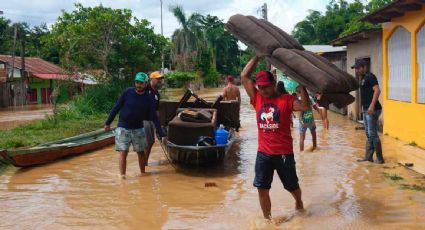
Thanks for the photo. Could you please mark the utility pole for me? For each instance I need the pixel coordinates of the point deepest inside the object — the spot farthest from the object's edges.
(15, 34)
(264, 11)
(162, 33)
(264, 14)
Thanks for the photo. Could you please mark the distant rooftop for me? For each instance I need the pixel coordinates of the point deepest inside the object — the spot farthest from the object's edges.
(355, 37)
(395, 9)
(324, 48)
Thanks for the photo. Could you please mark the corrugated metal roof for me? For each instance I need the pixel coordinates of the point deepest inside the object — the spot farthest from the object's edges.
(324, 48)
(33, 65)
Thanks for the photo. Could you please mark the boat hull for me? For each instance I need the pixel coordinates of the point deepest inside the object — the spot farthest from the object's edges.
(43, 154)
(198, 155)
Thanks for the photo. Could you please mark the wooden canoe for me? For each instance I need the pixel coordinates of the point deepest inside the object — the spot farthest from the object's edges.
(55, 150)
(198, 155)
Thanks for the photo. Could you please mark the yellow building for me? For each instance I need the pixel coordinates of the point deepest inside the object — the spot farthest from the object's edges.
(403, 59)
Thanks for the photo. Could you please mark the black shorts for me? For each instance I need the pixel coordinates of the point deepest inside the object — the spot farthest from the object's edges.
(284, 165)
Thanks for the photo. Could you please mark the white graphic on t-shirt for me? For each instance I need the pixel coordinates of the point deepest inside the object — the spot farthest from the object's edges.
(267, 116)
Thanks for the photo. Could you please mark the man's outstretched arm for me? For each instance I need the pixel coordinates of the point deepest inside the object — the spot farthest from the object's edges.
(245, 75)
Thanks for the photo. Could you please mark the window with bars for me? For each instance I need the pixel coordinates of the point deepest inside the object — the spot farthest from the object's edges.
(400, 67)
(420, 40)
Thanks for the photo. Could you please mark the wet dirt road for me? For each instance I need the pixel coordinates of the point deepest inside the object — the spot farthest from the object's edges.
(13, 116)
(85, 192)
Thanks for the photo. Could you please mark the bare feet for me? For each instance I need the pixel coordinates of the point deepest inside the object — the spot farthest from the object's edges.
(121, 176)
(312, 148)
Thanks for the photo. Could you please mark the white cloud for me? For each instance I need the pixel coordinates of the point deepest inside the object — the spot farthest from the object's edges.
(283, 13)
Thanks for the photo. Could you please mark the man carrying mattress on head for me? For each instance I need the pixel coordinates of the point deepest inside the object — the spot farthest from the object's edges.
(275, 147)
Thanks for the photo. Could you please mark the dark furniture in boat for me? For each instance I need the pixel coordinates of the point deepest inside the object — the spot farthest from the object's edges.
(181, 144)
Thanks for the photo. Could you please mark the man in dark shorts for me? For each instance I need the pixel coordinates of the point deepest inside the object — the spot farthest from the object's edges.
(275, 147)
(135, 105)
(154, 84)
(372, 109)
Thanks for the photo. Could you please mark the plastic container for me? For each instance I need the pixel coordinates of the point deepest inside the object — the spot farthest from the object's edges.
(221, 135)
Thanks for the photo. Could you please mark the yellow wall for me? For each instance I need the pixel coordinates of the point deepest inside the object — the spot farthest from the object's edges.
(405, 121)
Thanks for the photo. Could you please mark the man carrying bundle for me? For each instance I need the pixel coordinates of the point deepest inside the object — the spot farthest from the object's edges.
(275, 147)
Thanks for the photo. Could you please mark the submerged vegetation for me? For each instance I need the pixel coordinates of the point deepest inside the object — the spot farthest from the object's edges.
(414, 187)
(393, 177)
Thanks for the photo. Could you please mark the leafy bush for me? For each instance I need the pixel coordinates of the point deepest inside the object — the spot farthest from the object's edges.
(212, 78)
(178, 79)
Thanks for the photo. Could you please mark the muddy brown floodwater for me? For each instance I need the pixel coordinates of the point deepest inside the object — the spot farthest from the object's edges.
(85, 192)
(11, 117)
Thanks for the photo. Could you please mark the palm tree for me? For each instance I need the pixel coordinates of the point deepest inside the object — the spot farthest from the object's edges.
(188, 39)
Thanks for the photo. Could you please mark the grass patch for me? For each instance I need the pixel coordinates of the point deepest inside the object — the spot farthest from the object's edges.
(86, 112)
(414, 187)
(47, 130)
(393, 177)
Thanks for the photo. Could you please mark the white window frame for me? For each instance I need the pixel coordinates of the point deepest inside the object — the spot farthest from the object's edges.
(420, 52)
(400, 65)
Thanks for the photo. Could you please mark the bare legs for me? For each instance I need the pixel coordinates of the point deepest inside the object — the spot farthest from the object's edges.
(302, 138)
(314, 136)
(266, 206)
(142, 161)
(147, 153)
(265, 203)
(123, 162)
(298, 200)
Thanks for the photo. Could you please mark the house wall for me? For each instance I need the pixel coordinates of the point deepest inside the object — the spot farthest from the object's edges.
(339, 59)
(38, 84)
(371, 48)
(404, 120)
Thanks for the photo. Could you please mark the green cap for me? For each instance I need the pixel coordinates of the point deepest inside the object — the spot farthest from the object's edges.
(142, 77)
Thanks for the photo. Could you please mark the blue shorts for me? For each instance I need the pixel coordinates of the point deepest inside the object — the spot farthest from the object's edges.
(283, 164)
(124, 137)
(311, 126)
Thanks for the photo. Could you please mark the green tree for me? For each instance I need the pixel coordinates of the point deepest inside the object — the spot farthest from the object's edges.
(188, 40)
(340, 18)
(110, 39)
(5, 36)
(223, 46)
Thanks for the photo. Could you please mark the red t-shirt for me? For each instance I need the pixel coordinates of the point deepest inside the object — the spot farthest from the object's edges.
(273, 121)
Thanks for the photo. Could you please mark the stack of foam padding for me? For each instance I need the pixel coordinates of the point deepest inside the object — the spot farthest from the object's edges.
(313, 71)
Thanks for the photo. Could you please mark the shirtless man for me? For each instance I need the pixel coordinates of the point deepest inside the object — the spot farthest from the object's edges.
(231, 91)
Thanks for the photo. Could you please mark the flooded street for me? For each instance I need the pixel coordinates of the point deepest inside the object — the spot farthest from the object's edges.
(11, 117)
(85, 192)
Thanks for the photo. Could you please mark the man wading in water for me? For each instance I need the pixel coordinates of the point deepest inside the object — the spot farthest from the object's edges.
(231, 91)
(372, 109)
(275, 149)
(152, 88)
(136, 105)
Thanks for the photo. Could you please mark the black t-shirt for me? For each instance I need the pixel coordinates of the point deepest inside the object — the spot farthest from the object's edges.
(154, 95)
(366, 91)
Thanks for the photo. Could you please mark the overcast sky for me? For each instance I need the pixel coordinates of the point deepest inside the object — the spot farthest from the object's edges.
(283, 13)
